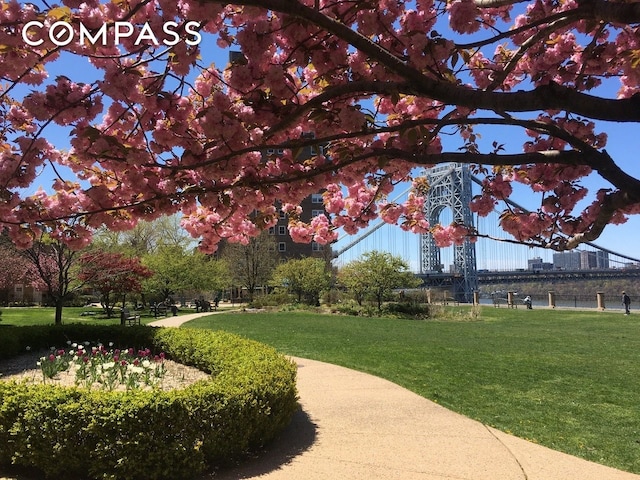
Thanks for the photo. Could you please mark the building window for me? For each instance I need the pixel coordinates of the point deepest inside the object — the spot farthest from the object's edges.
(272, 230)
(315, 213)
(282, 230)
(282, 215)
(313, 150)
(316, 198)
(316, 247)
(282, 247)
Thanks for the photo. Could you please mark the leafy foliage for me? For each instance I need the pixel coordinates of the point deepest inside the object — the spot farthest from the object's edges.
(376, 276)
(305, 277)
(252, 265)
(178, 270)
(113, 275)
(54, 261)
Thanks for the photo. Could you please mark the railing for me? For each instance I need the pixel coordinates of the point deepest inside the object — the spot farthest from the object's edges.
(596, 301)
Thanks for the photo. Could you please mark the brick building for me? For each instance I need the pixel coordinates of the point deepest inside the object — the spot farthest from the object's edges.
(311, 206)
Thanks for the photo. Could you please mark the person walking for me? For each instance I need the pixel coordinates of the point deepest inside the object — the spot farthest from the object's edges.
(626, 301)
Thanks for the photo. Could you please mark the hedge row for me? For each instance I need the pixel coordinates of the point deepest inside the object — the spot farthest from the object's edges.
(249, 397)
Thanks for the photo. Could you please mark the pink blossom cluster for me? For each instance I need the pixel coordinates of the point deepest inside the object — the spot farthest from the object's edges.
(319, 230)
(454, 234)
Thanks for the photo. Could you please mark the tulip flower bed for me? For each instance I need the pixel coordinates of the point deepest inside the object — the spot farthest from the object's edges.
(248, 397)
(108, 369)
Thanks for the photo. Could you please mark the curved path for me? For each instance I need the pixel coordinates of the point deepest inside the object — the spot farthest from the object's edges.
(356, 426)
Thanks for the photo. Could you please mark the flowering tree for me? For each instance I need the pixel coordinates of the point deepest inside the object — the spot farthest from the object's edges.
(15, 270)
(113, 275)
(53, 261)
(371, 88)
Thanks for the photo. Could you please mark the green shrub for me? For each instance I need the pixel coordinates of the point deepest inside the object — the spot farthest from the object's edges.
(407, 310)
(274, 299)
(249, 397)
(348, 308)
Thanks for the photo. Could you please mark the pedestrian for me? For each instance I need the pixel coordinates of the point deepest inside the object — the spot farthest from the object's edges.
(527, 301)
(626, 301)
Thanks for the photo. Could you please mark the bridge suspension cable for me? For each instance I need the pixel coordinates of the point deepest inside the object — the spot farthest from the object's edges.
(591, 244)
(493, 253)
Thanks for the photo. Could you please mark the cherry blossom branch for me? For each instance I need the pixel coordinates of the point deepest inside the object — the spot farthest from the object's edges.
(551, 96)
(599, 161)
(515, 31)
(601, 10)
(500, 76)
(495, 3)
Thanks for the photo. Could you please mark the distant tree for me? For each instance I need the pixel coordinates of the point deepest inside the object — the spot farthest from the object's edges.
(251, 265)
(16, 269)
(113, 275)
(53, 260)
(177, 270)
(350, 277)
(378, 274)
(206, 273)
(305, 277)
(144, 238)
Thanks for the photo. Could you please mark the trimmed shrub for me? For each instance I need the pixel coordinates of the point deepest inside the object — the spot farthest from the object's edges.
(249, 397)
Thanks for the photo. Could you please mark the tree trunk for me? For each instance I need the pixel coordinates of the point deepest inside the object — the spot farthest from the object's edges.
(58, 317)
(122, 315)
(106, 304)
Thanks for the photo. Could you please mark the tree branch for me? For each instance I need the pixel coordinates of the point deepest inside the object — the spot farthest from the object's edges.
(599, 161)
(545, 97)
(602, 10)
(496, 3)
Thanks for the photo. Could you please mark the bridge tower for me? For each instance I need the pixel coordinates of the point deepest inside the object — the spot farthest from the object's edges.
(450, 187)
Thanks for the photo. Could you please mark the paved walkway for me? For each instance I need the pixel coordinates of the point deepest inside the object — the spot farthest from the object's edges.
(356, 426)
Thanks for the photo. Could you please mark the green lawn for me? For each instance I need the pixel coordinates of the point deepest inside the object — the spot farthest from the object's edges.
(45, 316)
(564, 379)
(18, 316)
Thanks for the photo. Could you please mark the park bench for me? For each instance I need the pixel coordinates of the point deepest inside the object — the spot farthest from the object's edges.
(132, 320)
(160, 309)
(129, 319)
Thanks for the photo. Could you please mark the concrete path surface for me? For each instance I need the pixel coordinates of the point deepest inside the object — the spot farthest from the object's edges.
(355, 426)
